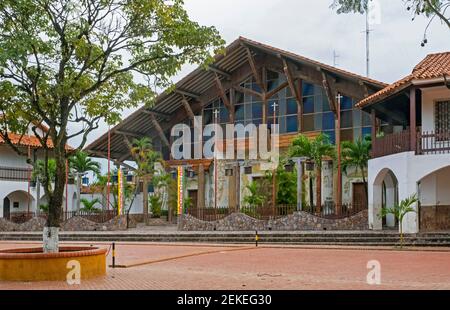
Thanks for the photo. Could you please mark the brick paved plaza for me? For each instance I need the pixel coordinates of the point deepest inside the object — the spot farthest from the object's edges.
(176, 266)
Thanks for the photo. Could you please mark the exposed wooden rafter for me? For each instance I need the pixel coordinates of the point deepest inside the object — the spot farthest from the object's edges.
(224, 97)
(291, 82)
(129, 133)
(331, 95)
(219, 71)
(188, 108)
(115, 161)
(159, 130)
(186, 93)
(255, 72)
(248, 91)
(276, 90)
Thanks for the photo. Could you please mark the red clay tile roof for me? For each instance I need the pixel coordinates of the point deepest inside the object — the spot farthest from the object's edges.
(432, 67)
(25, 140)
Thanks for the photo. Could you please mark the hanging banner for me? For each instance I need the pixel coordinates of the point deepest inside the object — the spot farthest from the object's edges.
(119, 191)
(180, 188)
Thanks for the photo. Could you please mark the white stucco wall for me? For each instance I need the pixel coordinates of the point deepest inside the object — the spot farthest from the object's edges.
(409, 169)
(429, 97)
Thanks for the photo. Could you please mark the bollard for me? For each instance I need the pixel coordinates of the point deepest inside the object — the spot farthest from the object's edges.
(256, 238)
(114, 255)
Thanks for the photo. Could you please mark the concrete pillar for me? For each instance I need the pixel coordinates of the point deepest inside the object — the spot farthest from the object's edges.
(201, 187)
(232, 194)
(390, 202)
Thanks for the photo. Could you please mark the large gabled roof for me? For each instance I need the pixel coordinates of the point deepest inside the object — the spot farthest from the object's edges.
(434, 66)
(199, 81)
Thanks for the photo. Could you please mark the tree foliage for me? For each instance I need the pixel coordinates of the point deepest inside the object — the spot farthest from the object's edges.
(81, 163)
(429, 8)
(65, 62)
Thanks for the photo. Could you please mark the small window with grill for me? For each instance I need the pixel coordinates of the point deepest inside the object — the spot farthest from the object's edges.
(442, 120)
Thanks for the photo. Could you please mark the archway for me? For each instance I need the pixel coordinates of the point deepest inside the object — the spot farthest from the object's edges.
(384, 193)
(434, 201)
(21, 206)
(6, 208)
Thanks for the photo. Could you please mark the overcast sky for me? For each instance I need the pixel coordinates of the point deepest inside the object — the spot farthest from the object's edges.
(310, 28)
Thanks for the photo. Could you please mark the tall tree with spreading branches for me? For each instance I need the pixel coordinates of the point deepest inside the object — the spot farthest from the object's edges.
(66, 62)
(431, 9)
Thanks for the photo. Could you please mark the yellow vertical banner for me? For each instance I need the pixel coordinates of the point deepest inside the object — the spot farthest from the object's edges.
(180, 172)
(119, 191)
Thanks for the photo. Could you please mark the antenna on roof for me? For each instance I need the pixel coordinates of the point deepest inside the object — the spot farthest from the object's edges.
(373, 17)
(335, 57)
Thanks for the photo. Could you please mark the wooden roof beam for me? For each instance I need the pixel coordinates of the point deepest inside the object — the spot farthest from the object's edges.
(188, 108)
(291, 82)
(248, 91)
(255, 72)
(219, 71)
(129, 133)
(159, 130)
(329, 92)
(186, 93)
(224, 97)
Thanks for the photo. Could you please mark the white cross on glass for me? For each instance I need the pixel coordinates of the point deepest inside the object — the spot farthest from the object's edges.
(274, 106)
(339, 97)
(216, 114)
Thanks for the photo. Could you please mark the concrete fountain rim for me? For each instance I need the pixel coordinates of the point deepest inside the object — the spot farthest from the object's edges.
(64, 251)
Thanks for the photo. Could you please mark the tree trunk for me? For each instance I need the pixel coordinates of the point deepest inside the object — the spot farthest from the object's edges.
(50, 234)
(311, 194)
(318, 189)
(78, 192)
(145, 197)
(366, 190)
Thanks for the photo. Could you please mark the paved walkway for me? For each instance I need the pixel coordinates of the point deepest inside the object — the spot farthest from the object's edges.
(231, 267)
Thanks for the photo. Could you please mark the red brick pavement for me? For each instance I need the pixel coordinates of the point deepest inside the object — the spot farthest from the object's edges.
(224, 267)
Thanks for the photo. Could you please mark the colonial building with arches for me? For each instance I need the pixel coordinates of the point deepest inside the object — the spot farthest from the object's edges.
(411, 147)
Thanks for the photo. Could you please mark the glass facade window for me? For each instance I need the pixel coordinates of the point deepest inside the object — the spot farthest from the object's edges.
(355, 124)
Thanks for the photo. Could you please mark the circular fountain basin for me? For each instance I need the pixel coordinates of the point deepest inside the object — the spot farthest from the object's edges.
(32, 264)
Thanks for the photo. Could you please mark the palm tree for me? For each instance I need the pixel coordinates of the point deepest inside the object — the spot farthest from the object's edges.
(357, 154)
(316, 150)
(89, 206)
(81, 163)
(254, 198)
(146, 158)
(400, 210)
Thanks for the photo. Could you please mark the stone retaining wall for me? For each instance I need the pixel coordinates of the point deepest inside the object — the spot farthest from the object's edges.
(73, 224)
(299, 221)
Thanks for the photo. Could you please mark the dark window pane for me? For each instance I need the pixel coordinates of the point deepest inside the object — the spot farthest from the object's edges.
(366, 119)
(257, 122)
(256, 88)
(288, 92)
(325, 104)
(308, 89)
(328, 121)
(291, 124)
(308, 122)
(346, 119)
(318, 121)
(366, 131)
(356, 118)
(291, 106)
(257, 110)
(346, 103)
(272, 75)
(207, 117)
(318, 104)
(239, 112)
(239, 97)
(224, 115)
(308, 105)
(271, 85)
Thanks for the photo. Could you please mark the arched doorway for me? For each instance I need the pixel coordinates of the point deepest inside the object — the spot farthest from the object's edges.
(384, 194)
(434, 201)
(6, 208)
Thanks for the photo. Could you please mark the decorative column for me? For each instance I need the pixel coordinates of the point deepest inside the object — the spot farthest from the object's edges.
(201, 187)
(232, 194)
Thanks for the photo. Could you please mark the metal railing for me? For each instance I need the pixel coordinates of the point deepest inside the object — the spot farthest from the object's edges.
(14, 174)
(329, 211)
(430, 142)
